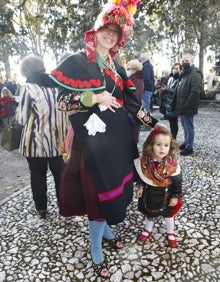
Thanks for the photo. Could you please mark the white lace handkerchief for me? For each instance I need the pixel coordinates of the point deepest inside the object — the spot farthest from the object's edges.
(94, 124)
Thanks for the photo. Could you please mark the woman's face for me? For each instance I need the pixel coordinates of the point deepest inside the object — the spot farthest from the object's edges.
(107, 36)
(131, 70)
(176, 68)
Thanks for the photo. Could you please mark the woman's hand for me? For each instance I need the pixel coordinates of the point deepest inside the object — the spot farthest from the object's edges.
(139, 191)
(173, 202)
(106, 99)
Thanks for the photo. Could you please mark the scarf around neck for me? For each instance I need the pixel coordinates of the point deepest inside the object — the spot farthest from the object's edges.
(159, 172)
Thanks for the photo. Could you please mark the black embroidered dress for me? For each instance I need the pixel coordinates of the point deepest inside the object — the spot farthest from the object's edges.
(107, 154)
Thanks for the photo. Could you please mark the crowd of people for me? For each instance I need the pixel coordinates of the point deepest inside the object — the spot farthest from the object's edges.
(91, 114)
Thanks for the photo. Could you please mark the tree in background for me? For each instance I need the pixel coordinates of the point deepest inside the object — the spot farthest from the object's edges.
(6, 36)
(52, 27)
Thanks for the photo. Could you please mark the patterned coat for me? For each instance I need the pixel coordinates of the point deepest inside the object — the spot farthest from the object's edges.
(44, 126)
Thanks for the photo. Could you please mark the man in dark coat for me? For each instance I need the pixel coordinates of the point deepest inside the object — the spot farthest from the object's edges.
(148, 80)
(187, 96)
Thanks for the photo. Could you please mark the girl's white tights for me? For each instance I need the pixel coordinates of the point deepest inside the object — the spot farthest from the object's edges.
(169, 221)
(149, 224)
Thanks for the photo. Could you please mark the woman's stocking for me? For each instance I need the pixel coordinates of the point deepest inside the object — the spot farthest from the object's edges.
(96, 230)
(108, 234)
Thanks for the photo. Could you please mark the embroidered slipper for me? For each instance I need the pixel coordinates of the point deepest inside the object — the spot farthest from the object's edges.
(101, 269)
(115, 243)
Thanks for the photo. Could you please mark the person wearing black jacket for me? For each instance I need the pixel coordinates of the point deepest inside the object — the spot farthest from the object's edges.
(148, 71)
(187, 97)
(169, 96)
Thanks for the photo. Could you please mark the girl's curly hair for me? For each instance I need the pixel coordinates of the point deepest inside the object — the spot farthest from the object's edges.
(150, 141)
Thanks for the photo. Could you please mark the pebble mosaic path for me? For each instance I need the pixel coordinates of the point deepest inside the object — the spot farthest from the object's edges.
(57, 249)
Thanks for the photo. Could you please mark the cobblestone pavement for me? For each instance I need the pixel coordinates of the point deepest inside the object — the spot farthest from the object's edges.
(57, 249)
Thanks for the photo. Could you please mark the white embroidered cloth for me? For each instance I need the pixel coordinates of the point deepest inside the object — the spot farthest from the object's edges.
(94, 124)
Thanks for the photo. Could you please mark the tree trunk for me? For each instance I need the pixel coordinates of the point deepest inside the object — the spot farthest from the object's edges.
(201, 57)
(6, 64)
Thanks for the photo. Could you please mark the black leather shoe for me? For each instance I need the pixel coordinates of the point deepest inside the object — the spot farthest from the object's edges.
(186, 152)
(42, 213)
(182, 146)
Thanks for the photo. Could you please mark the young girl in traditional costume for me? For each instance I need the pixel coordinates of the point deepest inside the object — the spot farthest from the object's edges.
(159, 183)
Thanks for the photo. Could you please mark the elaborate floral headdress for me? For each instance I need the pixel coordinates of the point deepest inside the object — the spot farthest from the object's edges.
(115, 12)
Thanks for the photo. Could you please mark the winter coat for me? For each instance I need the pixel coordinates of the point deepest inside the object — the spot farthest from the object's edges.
(148, 76)
(187, 92)
(137, 79)
(171, 85)
(44, 126)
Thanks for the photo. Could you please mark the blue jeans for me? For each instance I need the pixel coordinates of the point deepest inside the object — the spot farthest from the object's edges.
(187, 122)
(146, 99)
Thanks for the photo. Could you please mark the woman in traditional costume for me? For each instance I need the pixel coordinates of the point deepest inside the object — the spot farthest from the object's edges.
(95, 90)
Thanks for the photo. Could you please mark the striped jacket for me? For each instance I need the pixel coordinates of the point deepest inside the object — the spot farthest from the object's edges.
(44, 126)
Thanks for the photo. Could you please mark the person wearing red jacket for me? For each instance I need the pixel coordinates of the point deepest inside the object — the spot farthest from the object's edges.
(6, 105)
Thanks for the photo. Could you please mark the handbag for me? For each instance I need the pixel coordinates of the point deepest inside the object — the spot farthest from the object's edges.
(11, 136)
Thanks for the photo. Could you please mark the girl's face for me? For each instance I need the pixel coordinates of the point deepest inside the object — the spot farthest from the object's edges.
(161, 146)
(107, 37)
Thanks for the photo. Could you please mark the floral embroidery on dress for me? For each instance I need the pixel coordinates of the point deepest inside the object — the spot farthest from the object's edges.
(71, 102)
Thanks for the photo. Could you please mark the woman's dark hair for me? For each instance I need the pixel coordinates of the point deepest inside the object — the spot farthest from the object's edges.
(176, 64)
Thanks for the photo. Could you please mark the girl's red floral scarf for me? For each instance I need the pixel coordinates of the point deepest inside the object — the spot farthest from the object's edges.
(158, 173)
